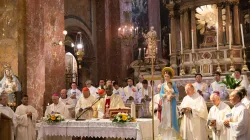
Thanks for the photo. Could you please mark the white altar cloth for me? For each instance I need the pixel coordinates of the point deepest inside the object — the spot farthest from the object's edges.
(140, 130)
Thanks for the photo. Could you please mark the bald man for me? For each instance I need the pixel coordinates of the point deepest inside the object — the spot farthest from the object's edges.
(194, 109)
(70, 103)
(58, 107)
(216, 116)
(238, 123)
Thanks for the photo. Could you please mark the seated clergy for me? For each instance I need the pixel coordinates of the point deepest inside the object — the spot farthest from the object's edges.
(26, 121)
(74, 93)
(194, 109)
(157, 104)
(70, 103)
(201, 87)
(84, 105)
(216, 116)
(139, 84)
(130, 91)
(58, 107)
(238, 121)
(216, 86)
(109, 101)
(8, 112)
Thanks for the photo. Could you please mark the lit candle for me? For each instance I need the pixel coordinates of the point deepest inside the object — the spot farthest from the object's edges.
(192, 41)
(181, 42)
(217, 37)
(119, 31)
(139, 56)
(156, 50)
(169, 44)
(242, 36)
(230, 37)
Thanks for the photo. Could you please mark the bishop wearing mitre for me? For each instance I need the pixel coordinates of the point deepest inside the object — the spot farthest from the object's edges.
(58, 107)
(4, 109)
(84, 108)
(194, 110)
(110, 100)
(26, 121)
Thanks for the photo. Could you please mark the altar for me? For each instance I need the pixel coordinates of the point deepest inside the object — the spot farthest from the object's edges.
(103, 128)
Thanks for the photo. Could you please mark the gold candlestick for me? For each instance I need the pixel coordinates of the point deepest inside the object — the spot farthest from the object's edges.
(244, 68)
(218, 59)
(232, 69)
(193, 67)
(182, 72)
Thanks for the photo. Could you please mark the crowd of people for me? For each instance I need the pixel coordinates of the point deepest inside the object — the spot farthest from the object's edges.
(189, 120)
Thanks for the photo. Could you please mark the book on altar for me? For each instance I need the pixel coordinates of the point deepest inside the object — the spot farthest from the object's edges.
(114, 111)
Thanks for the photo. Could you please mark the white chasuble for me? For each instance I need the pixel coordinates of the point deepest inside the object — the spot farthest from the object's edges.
(26, 126)
(193, 125)
(83, 103)
(60, 108)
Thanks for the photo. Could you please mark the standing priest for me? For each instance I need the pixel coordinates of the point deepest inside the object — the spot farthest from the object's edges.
(194, 109)
(26, 120)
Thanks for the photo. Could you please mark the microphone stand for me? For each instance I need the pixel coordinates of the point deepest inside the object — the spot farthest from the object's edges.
(86, 109)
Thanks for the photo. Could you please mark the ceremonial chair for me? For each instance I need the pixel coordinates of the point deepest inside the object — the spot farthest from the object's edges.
(5, 127)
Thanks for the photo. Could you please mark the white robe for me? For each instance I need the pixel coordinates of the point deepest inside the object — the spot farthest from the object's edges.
(83, 103)
(10, 113)
(156, 101)
(77, 92)
(219, 113)
(26, 127)
(193, 125)
(93, 91)
(143, 112)
(129, 92)
(202, 87)
(215, 86)
(138, 86)
(246, 102)
(239, 125)
(119, 92)
(70, 104)
(60, 107)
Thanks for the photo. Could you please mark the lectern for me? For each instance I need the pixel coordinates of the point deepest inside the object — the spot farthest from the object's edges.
(5, 127)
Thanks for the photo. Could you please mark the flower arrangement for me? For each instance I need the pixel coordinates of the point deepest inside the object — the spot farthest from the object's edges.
(230, 82)
(122, 118)
(54, 118)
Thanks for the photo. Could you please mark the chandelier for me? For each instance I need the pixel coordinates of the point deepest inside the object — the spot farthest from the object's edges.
(78, 48)
(127, 32)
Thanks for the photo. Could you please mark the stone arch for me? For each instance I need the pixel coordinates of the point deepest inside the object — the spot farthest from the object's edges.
(88, 71)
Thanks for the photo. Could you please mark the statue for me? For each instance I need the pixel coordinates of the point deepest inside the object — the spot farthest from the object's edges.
(9, 85)
(151, 39)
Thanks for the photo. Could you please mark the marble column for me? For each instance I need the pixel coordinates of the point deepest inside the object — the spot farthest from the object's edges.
(220, 23)
(227, 21)
(186, 30)
(45, 62)
(182, 25)
(193, 25)
(154, 20)
(173, 33)
(236, 26)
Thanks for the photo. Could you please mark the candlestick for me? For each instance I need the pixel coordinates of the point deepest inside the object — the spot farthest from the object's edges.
(232, 69)
(244, 68)
(139, 56)
(230, 37)
(192, 41)
(182, 72)
(242, 36)
(217, 37)
(181, 42)
(194, 67)
(169, 44)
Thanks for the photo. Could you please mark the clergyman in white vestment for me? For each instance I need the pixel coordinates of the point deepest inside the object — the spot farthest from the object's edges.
(74, 93)
(70, 103)
(216, 116)
(217, 86)
(85, 104)
(157, 106)
(201, 87)
(130, 91)
(26, 116)
(194, 121)
(8, 112)
(238, 120)
(245, 100)
(58, 107)
(118, 90)
(93, 91)
(139, 84)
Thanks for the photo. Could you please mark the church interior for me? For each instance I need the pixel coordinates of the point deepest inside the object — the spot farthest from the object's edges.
(47, 45)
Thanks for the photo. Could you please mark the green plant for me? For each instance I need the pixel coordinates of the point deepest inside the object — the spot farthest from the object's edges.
(230, 82)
